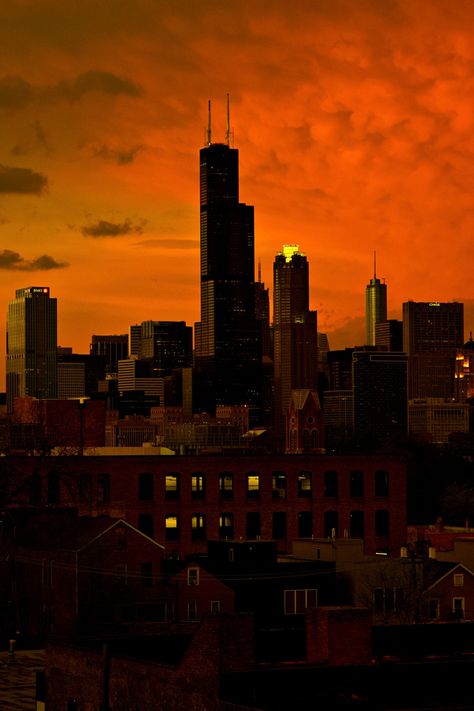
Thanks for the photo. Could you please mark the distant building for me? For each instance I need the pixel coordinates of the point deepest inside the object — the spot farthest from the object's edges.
(167, 344)
(389, 335)
(304, 423)
(433, 332)
(114, 348)
(31, 345)
(435, 419)
(380, 394)
(375, 306)
(228, 350)
(294, 329)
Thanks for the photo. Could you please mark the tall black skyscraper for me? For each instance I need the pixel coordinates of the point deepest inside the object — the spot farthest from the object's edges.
(31, 344)
(228, 343)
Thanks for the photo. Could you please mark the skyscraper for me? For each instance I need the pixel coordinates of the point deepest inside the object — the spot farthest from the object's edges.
(375, 306)
(114, 348)
(433, 332)
(380, 394)
(228, 342)
(31, 345)
(294, 330)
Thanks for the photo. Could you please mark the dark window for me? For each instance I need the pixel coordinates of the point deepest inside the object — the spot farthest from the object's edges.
(382, 523)
(314, 439)
(85, 489)
(305, 524)
(146, 572)
(226, 525)
(172, 527)
(279, 524)
(356, 484)
(226, 485)
(279, 485)
(253, 524)
(356, 523)
(145, 486)
(53, 488)
(305, 440)
(172, 486)
(330, 483)
(198, 527)
(253, 485)
(304, 483)
(120, 538)
(103, 489)
(381, 483)
(331, 524)
(145, 524)
(198, 486)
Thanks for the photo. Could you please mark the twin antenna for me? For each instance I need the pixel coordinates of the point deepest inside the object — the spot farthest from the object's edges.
(228, 132)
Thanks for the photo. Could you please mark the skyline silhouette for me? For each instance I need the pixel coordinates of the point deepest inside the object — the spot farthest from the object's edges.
(354, 132)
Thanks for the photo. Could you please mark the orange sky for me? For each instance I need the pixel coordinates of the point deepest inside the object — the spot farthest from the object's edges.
(354, 122)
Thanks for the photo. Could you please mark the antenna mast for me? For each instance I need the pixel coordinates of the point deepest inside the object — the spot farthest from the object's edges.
(227, 131)
(208, 131)
(375, 265)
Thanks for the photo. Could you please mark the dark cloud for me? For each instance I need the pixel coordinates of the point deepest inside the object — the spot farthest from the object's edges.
(21, 180)
(103, 228)
(95, 80)
(36, 140)
(121, 156)
(16, 93)
(14, 261)
(170, 243)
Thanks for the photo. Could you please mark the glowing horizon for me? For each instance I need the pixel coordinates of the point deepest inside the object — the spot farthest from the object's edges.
(354, 127)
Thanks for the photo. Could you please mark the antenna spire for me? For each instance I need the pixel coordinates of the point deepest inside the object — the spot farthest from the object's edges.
(208, 131)
(227, 130)
(375, 265)
(259, 270)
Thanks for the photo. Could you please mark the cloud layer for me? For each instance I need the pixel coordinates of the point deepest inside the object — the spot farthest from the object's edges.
(14, 261)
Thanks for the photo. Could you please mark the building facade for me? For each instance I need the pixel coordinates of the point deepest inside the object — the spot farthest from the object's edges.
(375, 306)
(294, 331)
(185, 501)
(228, 336)
(31, 345)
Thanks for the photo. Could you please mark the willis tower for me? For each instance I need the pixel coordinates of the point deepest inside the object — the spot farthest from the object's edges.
(228, 341)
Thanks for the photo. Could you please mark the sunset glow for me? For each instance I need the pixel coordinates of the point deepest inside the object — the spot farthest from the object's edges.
(354, 126)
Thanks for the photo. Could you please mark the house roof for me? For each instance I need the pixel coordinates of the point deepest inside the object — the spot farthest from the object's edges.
(443, 573)
(72, 533)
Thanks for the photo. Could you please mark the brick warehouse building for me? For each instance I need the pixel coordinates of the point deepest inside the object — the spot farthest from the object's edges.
(183, 501)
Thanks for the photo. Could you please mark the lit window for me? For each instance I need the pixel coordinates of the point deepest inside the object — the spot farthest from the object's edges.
(198, 527)
(253, 485)
(172, 486)
(458, 579)
(226, 481)
(171, 528)
(198, 486)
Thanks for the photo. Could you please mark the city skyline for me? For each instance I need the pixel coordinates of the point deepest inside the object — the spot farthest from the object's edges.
(353, 130)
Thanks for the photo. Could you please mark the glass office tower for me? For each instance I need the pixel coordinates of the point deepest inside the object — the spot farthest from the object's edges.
(31, 345)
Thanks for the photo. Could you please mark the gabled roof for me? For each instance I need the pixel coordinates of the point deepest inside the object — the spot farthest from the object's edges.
(299, 398)
(71, 533)
(452, 569)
